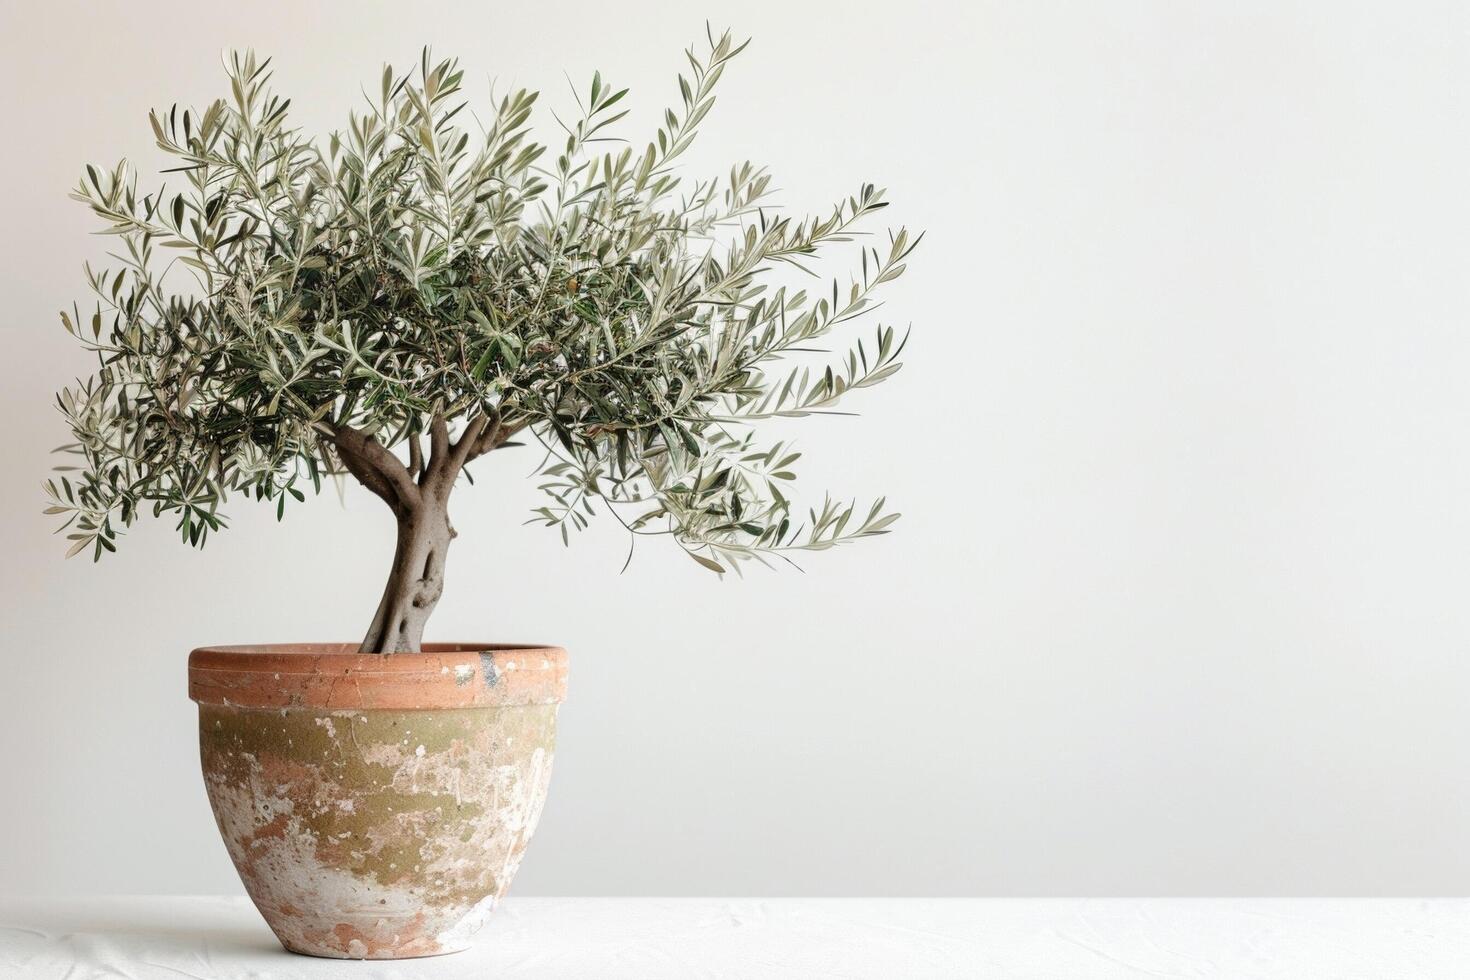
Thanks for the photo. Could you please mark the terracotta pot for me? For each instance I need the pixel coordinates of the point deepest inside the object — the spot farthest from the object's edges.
(375, 806)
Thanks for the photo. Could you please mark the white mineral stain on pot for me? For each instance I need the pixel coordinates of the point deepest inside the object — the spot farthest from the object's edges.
(458, 935)
(289, 867)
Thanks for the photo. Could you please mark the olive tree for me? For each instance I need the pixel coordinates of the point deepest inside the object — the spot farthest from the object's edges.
(418, 291)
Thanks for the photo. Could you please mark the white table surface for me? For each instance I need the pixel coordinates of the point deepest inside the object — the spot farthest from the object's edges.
(690, 938)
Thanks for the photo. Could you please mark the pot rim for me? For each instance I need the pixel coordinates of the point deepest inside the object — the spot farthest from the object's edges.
(336, 677)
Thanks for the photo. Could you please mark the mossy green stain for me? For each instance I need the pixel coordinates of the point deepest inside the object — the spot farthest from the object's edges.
(345, 801)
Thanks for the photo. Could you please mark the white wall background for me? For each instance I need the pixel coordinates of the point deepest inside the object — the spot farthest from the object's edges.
(1178, 605)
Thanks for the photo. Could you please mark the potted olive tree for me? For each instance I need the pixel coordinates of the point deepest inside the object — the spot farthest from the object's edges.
(391, 304)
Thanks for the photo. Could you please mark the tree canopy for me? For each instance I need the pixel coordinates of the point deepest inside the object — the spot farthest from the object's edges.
(296, 308)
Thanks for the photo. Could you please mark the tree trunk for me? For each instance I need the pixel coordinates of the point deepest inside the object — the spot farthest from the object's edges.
(416, 580)
(418, 494)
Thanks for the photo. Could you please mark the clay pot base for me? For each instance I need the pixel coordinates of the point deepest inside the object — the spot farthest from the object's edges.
(342, 956)
(376, 807)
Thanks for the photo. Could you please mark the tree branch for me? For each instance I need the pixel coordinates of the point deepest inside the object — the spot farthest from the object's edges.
(494, 437)
(375, 467)
(438, 449)
(467, 441)
(415, 456)
(368, 477)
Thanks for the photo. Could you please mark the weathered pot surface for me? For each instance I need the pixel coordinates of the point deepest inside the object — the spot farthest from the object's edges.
(376, 806)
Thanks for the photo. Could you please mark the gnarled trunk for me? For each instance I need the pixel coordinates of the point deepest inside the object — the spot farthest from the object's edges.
(418, 494)
(416, 580)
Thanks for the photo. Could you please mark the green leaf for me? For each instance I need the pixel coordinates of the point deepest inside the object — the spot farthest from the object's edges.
(709, 563)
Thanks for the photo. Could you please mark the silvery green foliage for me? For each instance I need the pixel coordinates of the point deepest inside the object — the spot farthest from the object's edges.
(422, 272)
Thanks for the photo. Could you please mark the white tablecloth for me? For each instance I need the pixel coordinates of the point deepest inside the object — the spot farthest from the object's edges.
(688, 938)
